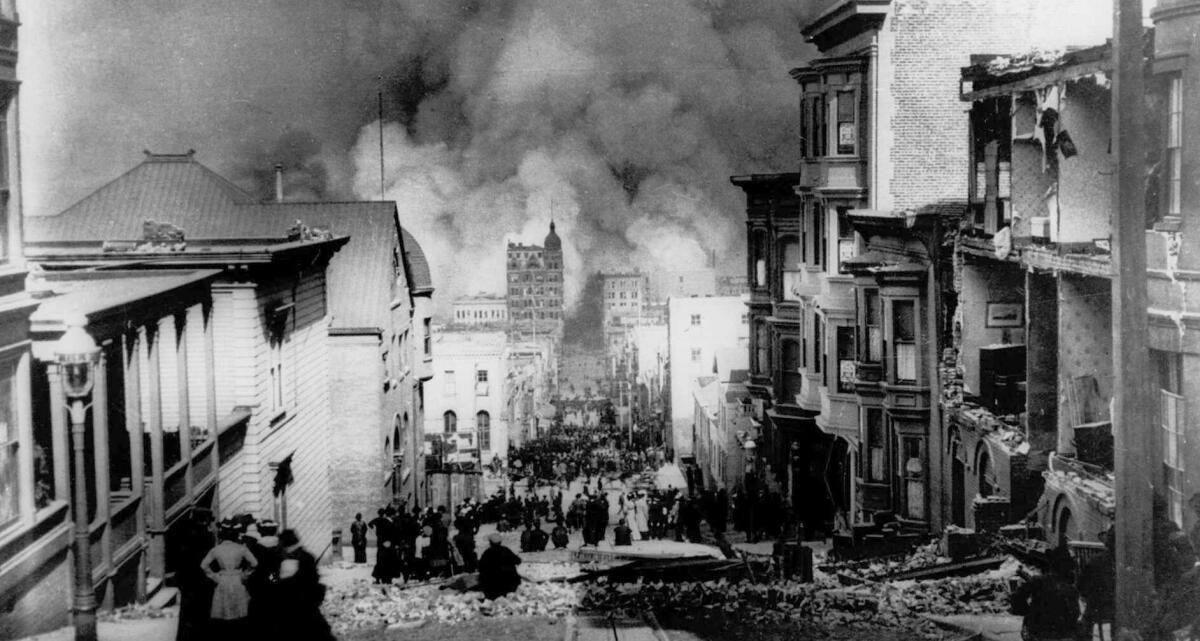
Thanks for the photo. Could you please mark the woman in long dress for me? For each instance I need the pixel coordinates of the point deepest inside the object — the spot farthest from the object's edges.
(228, 565)
(630, 516)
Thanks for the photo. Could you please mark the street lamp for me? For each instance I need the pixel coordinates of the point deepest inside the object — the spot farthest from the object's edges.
(751, 486)
(77, 354)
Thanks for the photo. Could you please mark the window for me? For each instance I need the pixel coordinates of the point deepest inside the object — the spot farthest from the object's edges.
(279, 326)
(481, 376)
(913, 475)
(10, 479)
(1174, 156)
(448, 382)
(818, 132)
(876, 445)
(427, 324)
(819, 239)
(904, 336)
(872, 326)
(847, 119)
(1169, 370)
(846, 371)
(483, 425)
(846, 247)
(695, 320)
(449, 422)
(695, 355)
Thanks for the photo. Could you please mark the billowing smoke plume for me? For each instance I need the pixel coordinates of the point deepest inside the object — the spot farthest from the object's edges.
(584, 325)
(621, 120)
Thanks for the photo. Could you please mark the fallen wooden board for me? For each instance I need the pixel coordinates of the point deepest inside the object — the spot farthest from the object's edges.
(943, 570)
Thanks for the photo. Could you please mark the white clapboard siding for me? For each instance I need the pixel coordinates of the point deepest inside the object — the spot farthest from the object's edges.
(236, 331)
(305, 431)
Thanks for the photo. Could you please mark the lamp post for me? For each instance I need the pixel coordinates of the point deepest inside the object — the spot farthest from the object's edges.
(751, 485)
(76, 354)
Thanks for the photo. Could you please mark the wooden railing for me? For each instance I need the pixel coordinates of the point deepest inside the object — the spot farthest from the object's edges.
(204, 462)
(175, 487)
(123, 531)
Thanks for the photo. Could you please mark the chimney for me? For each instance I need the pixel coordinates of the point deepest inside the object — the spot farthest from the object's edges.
(278, 183)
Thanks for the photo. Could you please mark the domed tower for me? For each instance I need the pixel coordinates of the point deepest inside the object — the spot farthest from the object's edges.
(552, 242)
(552, 262)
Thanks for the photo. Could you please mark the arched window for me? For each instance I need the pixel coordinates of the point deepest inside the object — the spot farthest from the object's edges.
(483, 424)
(449, 422)
(987, 475)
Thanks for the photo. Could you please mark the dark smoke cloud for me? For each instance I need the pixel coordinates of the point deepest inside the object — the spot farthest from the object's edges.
(584, 325)
(621, 120)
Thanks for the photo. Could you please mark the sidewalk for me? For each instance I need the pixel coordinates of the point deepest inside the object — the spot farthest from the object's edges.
(991, 627)
(130, 630)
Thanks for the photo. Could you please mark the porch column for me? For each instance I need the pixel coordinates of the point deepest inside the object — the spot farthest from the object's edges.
(100, 458)
(157, 521)
(58, 426)
(185, 414)
(210, 371)
(133, 426)
(24, 428)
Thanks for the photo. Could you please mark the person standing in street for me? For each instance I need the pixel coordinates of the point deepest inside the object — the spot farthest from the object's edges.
(1049, 601)
(228, 565)
(195, 589)
(358, 538)
(498, 569)
(300, 591)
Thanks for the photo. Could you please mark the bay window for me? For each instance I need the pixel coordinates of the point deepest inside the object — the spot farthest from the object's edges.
(904, 340)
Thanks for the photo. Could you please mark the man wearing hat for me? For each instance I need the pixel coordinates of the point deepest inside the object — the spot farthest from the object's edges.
(498, 569)
(300, 594)
(264, 601)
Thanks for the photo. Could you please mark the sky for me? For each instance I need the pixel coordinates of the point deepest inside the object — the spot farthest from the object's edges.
(621, 120)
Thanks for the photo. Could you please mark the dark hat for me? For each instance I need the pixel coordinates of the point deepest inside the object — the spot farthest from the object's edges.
(288, 538)
(267, 527)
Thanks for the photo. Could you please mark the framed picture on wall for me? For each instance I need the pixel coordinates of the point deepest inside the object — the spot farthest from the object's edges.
(1005, 315)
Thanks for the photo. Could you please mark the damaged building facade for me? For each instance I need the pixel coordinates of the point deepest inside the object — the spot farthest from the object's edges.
(847, 271)
(1029, 377)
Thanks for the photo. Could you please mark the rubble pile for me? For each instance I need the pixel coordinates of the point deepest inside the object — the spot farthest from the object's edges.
(135, 611)
(556, 571)
(871, 569)
(872, 604)
(363, 605)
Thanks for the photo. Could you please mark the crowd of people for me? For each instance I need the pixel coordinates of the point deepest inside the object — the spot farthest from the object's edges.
(245, 578)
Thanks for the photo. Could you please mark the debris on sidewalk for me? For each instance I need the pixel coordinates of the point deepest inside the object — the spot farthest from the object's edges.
(365, 605)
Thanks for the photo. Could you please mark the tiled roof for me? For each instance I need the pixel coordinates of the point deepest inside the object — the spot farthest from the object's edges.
(176, 189)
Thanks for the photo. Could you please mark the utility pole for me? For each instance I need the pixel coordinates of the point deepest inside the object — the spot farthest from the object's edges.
(1133, 429)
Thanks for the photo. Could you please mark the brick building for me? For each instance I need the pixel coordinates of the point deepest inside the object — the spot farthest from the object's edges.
(535, 286)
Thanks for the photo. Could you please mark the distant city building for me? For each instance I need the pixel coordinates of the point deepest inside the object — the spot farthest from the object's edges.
(679, 284)
(697, 329)
(465, 401)
(732, 285)
(624, 297)
(535, 285)
(479, 310)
